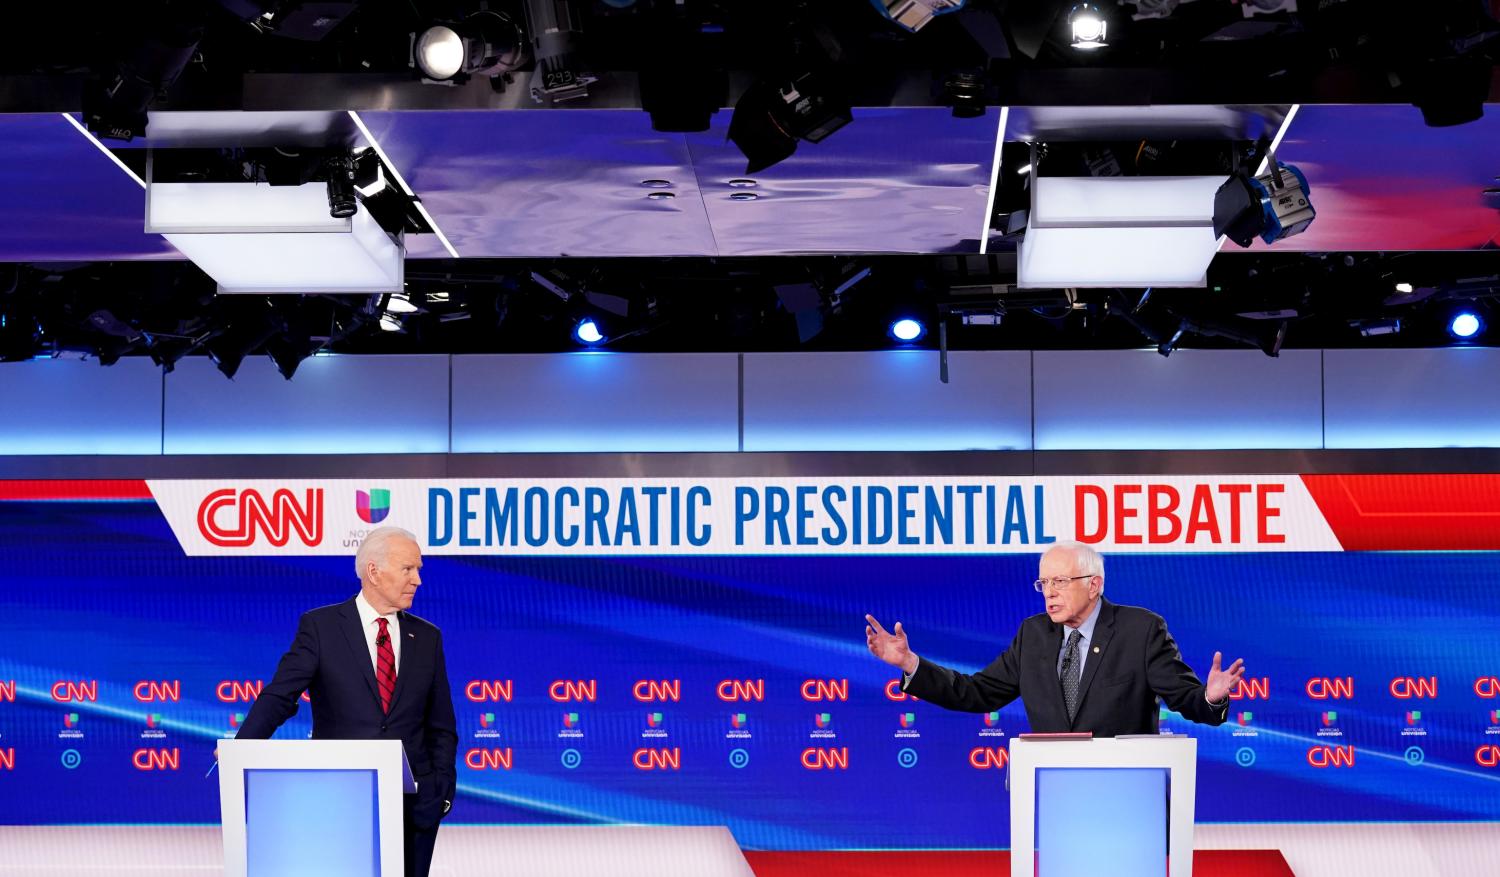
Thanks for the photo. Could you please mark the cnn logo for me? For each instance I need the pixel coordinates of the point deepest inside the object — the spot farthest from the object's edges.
(235, 519)
(825, 689)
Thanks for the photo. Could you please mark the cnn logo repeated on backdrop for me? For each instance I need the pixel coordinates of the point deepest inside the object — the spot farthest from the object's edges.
(812, 690)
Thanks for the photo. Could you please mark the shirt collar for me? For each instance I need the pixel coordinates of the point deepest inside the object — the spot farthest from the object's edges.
(1086, 628)
(367, 613)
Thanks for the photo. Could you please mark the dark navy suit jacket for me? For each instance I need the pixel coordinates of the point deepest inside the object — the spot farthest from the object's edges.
(1132, 661)
(330, 660)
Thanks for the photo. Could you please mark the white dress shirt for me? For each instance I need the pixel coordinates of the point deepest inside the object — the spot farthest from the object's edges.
(367, 616)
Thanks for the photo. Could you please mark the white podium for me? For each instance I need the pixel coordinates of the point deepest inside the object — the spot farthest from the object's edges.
(1113, 805)
(330, 808)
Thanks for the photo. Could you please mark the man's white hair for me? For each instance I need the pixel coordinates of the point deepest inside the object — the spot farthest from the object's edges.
(377, 546)
(1086, 560)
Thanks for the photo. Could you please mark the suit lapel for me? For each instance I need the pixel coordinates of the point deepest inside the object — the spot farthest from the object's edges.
(1053, 692)
(1104, 628)
(411, 643)
(354, 633)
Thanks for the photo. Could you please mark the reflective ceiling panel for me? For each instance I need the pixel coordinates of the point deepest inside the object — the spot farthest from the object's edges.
(63, 200)
(512, 183)
(894, 180)
(1185, 122)
(1382, 180)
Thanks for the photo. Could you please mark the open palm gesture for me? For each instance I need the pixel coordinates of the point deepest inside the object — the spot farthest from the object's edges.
(1221, 682)
(890, 647)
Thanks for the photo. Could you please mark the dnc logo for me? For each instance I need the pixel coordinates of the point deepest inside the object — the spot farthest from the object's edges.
(372, 506)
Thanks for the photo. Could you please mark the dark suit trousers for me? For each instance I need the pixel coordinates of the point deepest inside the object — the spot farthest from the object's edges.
(419, 842)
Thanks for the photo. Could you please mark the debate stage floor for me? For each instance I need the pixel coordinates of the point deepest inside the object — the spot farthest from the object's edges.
(1241, 850)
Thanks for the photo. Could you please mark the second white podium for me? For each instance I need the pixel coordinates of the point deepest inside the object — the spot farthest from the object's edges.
(1112, 805)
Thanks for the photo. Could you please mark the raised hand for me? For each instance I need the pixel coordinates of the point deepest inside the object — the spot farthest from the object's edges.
(1220, 681)
(889, 647)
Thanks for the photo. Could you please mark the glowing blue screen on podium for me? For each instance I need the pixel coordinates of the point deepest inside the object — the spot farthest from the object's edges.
(1109, 820)
(312, 822)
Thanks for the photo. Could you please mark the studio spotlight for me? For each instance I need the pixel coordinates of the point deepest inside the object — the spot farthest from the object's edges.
(248, 328)
(769, 118)
(556, 27)
(916, 14)
(1376, 327)
(1465, 325)
(1272, 206)
(228, 352)
(341, 201)
(400, 303)
(587, 332)
(487, 43)
(683, 81)
(804, 101)
(1089, 27)
(1451, 91)
(907, 330)
(964, 91)
(288, 351)
(439, 52)
(149, 62)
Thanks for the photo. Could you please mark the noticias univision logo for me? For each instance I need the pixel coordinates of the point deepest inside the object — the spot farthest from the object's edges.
(738, 720)
(1244, 718)
(1330, 718)
(1413, 717)
(570, 720)
(486, 719)
(235, 719)
(70, 720)
(153, 719)
(823, 720)
(653, 720)
(372, 506)
(992, 719)
(908, 719)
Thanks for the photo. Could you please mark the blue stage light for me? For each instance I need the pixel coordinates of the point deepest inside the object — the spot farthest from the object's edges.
(587, 332)
(1465, 324)
(907, 329)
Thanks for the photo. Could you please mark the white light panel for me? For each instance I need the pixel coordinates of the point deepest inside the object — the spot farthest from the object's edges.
(1118, 231)
(274, 239)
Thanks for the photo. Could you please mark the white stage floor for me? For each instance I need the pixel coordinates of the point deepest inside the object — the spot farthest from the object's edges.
(1312, 850)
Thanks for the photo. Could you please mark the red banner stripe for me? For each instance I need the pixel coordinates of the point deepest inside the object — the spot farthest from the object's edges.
(1410, 512)
(75, 490)
(975, 863)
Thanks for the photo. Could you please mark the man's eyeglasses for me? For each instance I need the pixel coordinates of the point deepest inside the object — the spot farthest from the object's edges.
(1056, 583)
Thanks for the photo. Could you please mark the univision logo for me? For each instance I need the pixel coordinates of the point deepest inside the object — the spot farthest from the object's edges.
(372, 505)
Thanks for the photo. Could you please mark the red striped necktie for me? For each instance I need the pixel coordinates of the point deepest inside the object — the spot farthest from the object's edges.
(385, 666)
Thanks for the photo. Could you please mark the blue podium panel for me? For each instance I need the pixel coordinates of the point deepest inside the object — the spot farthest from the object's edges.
(318, 823)
(1110, 820)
